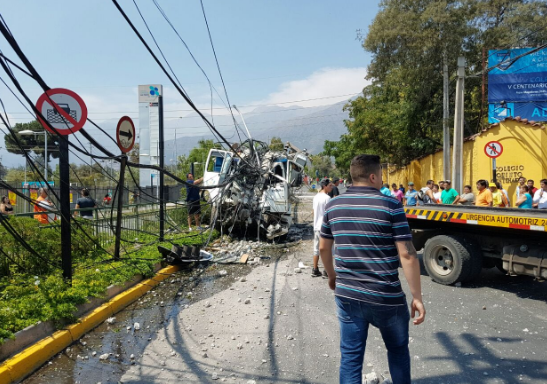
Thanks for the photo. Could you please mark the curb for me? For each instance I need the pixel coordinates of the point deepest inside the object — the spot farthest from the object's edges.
(24, 363)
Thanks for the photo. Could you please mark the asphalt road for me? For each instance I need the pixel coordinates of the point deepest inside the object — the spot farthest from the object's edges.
(491, 331)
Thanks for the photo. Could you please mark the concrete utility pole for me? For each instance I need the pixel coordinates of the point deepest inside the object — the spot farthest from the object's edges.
(457, 159)
(446, 129)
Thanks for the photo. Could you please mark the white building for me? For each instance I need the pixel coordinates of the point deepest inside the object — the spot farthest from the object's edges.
(149, 132)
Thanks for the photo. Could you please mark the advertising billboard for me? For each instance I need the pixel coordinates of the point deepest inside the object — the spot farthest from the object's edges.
(517, 86)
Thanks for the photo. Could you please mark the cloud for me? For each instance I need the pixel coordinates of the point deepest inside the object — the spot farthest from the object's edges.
(321, 86)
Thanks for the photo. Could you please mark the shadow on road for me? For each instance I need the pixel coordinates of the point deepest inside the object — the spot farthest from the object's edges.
(481, 363)
(522, 286)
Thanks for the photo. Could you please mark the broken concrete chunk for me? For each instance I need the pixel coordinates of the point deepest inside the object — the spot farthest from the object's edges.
(104, 356)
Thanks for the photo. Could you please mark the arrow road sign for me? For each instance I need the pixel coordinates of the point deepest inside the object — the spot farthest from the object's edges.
(63, 109)
(493, 149)
(125, 134)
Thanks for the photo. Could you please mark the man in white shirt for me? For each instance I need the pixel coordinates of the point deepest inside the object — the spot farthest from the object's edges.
(540, 197)
(319, 203)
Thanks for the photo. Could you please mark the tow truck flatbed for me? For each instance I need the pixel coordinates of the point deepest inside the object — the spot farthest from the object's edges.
(458, 241)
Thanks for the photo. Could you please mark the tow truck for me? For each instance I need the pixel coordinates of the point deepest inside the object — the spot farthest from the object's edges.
(458, 241)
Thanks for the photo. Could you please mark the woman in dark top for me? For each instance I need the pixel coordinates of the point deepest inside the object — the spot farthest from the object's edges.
(5, 206)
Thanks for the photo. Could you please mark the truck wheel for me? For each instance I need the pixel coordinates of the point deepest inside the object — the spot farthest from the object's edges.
(448, 259)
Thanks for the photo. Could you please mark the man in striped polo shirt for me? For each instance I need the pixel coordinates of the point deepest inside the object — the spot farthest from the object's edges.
(371, 239)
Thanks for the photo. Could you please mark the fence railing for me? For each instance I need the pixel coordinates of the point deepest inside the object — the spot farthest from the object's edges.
(137, 219)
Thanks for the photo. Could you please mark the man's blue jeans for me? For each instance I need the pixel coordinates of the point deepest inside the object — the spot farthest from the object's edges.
(392, 321)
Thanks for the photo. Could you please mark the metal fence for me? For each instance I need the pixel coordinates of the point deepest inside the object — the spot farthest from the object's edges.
(130, 196)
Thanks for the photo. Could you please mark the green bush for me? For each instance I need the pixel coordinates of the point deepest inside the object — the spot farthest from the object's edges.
(27, 298)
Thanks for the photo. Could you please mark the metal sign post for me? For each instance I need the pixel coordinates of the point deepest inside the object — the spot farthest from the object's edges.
(125, 136)
(162, 165)
(66, 112)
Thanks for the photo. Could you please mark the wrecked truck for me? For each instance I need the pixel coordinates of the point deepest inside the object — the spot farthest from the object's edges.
(255, 187)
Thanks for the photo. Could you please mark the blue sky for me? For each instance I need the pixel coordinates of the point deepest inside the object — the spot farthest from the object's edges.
(270, 52)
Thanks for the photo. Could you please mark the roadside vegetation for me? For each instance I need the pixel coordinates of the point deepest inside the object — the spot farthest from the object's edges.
(32, 288)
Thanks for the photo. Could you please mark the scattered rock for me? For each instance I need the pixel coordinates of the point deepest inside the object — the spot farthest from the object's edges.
(207, 304)
(137, 326)
(110, 320)
(247, 301)
(93, 353)
(243, 279)
(222, 272)
(204, 354)
(297, 270)
(290, 337)
(239, 346)
(132, 357)
(371, 378)
(215, 376)
(104, 356)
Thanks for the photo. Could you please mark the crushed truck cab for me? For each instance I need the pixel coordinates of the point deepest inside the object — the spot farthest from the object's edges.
(458, 241)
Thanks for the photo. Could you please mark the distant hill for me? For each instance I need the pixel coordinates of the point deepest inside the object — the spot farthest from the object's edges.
(304, 127)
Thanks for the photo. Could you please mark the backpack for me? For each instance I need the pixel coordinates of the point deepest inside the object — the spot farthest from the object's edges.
(422, 197)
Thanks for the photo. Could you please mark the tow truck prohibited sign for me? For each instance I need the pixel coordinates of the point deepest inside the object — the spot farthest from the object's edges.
(63, 109)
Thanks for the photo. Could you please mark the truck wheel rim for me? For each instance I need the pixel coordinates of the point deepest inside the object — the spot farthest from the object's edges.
(441, 261)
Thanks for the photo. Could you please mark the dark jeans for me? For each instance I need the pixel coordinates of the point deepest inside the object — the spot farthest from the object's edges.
(392, 321)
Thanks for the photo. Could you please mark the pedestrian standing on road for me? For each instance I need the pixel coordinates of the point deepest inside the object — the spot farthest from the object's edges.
(525, 200)
(402, 189)
(385, 190)
(335, 192)
(498, 198)
(396, 193)
(449, 194)
(484, 196)
(371, 237)
(500, 187)
(87, 203)
(436, 193)
(410, 195)
(531, 189)
(425, 195)
(193, 201)
(522, 181)
(42, 204)
(320, 200)
(5, 206)
(540, 197)
(467, 197)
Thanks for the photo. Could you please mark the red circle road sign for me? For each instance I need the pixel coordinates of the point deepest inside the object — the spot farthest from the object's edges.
(125, 134)
(493, 149)
(63, 109)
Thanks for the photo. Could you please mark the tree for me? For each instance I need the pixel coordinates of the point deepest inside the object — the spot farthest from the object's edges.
(276, 144)
(321, 166)
(399, 116)
(31, 143)
(197, 155)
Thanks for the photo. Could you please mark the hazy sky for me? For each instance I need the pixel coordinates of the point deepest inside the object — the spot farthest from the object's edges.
(270, 52)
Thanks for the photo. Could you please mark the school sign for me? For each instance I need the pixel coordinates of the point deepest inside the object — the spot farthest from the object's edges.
(517, 86)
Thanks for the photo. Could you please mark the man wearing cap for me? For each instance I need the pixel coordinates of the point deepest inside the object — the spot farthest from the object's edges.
(449, 194)
(335, 192)
(498, 198)
(410, 195)
(192, 200)
(320, 201)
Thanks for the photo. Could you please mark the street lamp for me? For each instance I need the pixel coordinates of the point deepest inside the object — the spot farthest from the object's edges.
(28, 132)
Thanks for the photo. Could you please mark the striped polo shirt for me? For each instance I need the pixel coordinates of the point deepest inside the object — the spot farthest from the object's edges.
(365, 225)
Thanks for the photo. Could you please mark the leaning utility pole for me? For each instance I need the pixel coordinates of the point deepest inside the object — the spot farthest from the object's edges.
(446, 129)
(457, 159)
